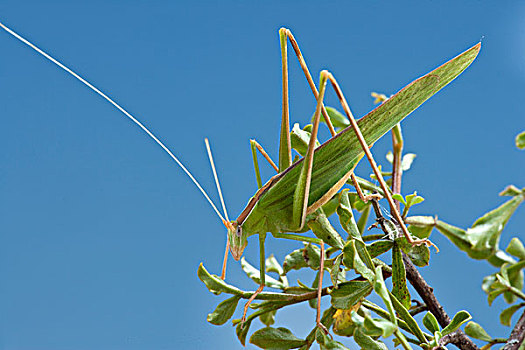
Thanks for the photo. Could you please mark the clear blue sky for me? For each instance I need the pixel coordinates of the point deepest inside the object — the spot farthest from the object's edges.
(101, 234)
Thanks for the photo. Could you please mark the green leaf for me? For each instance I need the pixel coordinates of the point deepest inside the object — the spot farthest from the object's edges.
(363, 219)
(511, 190)
(382, 291)
(379, 247)
(407, 160)
(407, 317)
(366, 342)
(514, 275)
(506, 315)
(346, 217)
(323, 229)
(272, 265)
(421, 221)
(516, 248)
(335, 271)
(430, 322)
(339, 121)
(399, 282)
(520, 140)
(499, 258)
(331, 206)
(275, 338)
(484, 234)
(255, 275)
(300, 139)
(474, 330)
(376, 327)
(419, 254)
(294, 261)
(215, 283)
(494, 294)
(399, 198)
(488, 282)
(455, 235)
(327, 343)
(312, 255)
(349, 254)
(459, 318)
(352, 260)
(268, 318)
(413, 199)
(349, 294)
(420, 232)
(224, 311)
(242, 330)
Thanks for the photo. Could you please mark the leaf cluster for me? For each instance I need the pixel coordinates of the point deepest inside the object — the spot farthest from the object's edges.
(359, 262)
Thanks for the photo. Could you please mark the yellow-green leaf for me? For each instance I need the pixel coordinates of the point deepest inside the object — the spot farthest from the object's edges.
(474, 330)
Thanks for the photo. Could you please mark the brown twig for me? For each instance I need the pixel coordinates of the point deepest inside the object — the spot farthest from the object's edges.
(517, 335)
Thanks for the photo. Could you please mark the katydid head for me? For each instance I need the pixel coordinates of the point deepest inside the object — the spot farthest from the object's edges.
(237, 239)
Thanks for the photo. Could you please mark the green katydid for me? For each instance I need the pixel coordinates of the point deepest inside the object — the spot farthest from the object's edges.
(292, 200)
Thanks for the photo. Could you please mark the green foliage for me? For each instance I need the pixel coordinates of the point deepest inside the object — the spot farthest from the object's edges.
(356, 263)
(350, 313)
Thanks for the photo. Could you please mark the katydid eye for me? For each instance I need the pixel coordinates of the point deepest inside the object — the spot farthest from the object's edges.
(239, 231)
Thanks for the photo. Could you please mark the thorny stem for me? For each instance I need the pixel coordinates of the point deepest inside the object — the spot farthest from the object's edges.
(517, 335)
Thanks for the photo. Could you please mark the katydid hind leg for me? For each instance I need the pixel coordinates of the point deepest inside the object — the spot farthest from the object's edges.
(374, 166)
(306, 71)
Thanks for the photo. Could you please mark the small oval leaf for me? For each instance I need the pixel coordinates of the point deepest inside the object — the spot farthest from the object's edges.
(506, 315)
(430, 322)
(459, 318)
(474, 330)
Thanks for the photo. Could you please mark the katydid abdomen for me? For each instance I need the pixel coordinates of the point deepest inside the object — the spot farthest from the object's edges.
(270, 210)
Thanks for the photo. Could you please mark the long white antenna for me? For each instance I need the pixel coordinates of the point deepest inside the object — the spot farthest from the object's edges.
(116, 105)
(216, 177)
